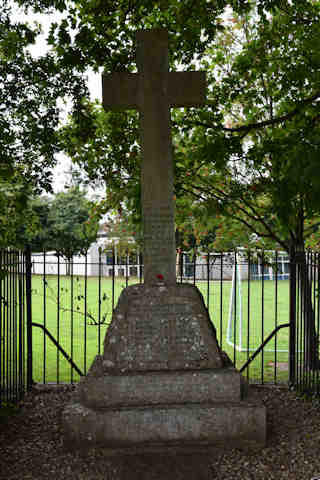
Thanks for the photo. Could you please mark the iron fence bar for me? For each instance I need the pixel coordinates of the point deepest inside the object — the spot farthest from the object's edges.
(140, 267)
(21, 336)
(9, 350)
(317, 264)
(235, 308)
(24, 322)
(58, 320)
(2, 332)
(299, 330)
(7, 317)
(262, 314)
(261, 347)
(99, 302)
(309, 277)
(316, 312)
(13, 324)
(16, 323)
(29, 317)
(307, 343)
(316, 306)
(312, 280)
(71, 316)
(44, 316)
(6, 330)
(85, 311)
(59, 347)
(208, 282)
(248, 312)
(127, 267)
(221, 295)
(302, 330)
(276, 316)
(15, 320)
(113, 276)
(7, 309)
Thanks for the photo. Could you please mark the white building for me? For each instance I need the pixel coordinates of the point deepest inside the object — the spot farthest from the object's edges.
(107, 259)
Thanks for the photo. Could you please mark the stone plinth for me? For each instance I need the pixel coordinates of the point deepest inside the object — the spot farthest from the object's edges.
(162, 380)
(160, 427)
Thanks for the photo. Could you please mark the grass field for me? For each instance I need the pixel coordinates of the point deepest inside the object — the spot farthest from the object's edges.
(59, 305)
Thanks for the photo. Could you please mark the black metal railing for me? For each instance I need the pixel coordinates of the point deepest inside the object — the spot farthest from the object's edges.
(305, 323)
(247, 296)
(13, 353)
(54, 314)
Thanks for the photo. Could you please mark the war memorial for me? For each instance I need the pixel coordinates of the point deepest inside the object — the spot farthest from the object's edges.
(163, 381)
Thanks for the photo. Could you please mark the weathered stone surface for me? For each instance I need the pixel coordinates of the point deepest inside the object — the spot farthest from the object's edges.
(233, 424)
(161, 327)
(156, 388)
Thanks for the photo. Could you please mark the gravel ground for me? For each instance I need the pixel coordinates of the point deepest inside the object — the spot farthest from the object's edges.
(31, 446)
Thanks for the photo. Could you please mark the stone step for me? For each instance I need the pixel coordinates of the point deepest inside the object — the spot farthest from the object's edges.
(240, 425)
(168, 387)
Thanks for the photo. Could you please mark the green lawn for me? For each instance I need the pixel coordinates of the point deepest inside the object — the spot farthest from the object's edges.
(64, 313)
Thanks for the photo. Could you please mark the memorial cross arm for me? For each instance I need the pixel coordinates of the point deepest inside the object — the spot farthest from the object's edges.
(185, 89)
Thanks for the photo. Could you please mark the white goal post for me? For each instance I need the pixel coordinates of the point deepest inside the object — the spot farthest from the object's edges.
(237, 326)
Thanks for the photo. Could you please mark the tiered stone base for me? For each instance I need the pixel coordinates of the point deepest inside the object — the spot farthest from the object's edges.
(193, 399)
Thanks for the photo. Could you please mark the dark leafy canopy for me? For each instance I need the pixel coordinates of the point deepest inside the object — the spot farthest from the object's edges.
(105, 29)
(64, 223)
(253, 152)
(73, 229)
(29, 111)
(30, 92)
(269, 95)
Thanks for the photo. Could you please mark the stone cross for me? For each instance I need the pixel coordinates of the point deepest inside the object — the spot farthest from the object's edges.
(153, 90)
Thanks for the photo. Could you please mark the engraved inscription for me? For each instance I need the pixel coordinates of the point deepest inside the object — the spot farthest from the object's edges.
(163, 333)
(148, 338)
(158, 233)
(161, 328)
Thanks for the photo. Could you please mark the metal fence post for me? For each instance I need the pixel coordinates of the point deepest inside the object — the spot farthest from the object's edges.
(29, 316)
(292, 318)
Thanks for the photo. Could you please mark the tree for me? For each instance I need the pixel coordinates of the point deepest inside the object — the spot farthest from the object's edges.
(31, 89)
(261, 80)
(13, 198)
(71, 228)
(30, 112)
(252, 153)
(37, 233)
(65, 223)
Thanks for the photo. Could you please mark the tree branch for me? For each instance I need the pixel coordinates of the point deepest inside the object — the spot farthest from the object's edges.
(255, 217)
(266, 123)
